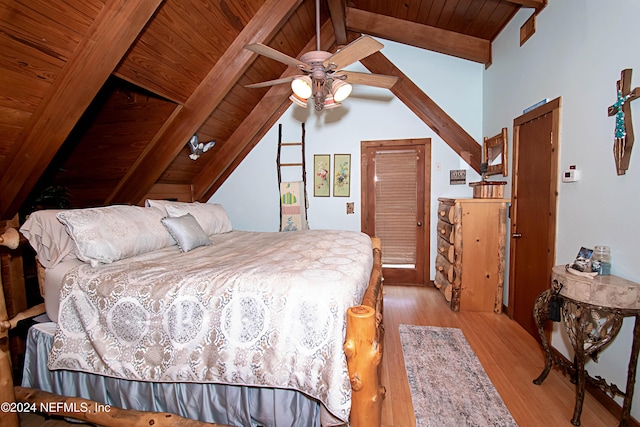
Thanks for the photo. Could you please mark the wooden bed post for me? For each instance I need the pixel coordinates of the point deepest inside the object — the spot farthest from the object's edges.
(8, 419)
(364, 354)
(363, 349)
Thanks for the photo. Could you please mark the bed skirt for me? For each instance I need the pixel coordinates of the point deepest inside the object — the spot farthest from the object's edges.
(225, 404)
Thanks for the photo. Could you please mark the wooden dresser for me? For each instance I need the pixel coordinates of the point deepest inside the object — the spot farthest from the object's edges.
(470, 262)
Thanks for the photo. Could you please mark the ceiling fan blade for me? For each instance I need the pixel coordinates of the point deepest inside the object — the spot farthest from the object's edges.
(354, 51)
(377, 80)
(271, 82)
(277, 55)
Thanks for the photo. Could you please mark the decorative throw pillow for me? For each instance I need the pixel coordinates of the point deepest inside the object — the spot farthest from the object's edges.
(186, 231)
(111, 233)
(212, 217)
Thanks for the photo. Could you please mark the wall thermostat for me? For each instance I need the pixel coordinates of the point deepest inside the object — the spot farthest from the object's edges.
(571, 174)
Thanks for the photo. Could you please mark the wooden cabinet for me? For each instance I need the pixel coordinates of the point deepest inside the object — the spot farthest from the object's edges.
(470, 258)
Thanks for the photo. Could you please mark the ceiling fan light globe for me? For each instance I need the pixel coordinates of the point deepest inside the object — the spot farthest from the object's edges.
(330, 102)
(298, 101)
(301, 86)
(341, 90)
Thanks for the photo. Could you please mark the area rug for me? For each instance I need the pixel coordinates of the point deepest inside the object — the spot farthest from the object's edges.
(449, 386)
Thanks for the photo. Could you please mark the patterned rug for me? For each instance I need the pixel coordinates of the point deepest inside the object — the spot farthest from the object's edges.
(448, 385)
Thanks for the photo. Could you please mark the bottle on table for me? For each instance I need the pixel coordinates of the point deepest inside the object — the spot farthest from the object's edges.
(601, 260)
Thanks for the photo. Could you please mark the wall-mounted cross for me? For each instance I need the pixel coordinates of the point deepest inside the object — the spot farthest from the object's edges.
(623, 141)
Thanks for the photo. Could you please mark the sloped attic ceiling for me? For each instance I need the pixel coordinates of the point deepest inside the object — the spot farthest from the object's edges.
(101, 96)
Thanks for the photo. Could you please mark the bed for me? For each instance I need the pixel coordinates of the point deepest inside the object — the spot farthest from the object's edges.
(166, 308)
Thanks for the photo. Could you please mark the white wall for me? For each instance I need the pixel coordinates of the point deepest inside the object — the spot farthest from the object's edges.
(250, 195)
(577, 53)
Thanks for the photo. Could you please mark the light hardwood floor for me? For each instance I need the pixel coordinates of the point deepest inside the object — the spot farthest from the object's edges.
(510, 356)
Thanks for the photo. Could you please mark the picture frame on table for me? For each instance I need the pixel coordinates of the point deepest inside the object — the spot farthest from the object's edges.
(583, 260)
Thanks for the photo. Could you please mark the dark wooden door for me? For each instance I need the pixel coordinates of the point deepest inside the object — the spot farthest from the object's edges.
(395, 199)
(534, 206)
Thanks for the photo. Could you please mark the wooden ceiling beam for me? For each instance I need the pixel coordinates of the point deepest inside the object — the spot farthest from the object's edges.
(337, 12)
(419, 35)
(536, 4)
(96, 56)
(172, 138)
(254, 127)
(428, 111)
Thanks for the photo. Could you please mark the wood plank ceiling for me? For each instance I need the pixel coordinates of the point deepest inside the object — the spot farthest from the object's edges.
(101, 96)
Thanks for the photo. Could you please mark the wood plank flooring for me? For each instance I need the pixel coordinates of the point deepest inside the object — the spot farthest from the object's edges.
(510, 356)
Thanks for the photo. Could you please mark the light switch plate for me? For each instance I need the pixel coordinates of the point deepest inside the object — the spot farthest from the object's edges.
(350, 208)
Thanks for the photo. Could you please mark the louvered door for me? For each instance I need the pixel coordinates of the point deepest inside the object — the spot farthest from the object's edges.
(395, 198)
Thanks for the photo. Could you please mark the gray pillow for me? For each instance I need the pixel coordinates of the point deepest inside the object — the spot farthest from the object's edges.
(186, 231)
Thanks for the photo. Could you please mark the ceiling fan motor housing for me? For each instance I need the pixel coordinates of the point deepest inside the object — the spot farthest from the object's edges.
(315, 59)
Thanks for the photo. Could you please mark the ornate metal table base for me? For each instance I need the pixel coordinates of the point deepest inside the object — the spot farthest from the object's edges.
(590, 328)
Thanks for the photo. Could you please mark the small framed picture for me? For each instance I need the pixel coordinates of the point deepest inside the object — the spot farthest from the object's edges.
(341, 175)
(583, 260)
(321, 175)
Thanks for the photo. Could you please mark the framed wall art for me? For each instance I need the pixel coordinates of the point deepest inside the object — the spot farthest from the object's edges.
(321, 175)
(342, 175)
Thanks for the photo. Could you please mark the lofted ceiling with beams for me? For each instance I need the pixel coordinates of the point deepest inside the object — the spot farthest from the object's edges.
(101, 96)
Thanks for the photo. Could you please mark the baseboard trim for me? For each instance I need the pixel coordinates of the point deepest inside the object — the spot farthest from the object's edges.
(591, 387)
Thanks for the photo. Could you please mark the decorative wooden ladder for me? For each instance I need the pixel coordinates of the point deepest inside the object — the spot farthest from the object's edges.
(300, 164)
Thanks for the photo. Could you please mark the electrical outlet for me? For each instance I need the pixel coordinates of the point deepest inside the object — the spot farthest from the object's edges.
(438, 166)
(350, 208)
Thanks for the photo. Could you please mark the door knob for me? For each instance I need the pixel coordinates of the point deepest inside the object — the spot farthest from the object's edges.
(516, 235)
(419, 223)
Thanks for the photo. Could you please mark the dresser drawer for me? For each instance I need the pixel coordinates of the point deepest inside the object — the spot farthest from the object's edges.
(446, 212)
(446, 231)
(445, 267)
(443, 286)
(447, 250)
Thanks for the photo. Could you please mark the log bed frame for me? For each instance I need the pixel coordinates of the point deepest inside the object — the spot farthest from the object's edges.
(362, 347)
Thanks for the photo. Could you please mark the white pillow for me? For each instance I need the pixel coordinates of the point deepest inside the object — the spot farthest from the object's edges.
(159, 204)
(212, 217)
(186, 231)
(112, 233)
(49, 237)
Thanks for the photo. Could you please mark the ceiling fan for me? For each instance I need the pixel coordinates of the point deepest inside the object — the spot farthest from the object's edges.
(323, 77)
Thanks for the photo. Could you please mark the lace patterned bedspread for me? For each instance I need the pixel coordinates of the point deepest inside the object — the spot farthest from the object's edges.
(262, 309)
